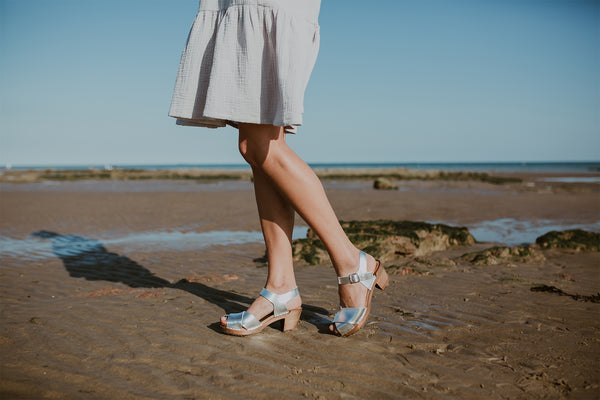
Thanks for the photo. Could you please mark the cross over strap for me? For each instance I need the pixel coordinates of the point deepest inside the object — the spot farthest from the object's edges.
(279, 300)
(242, 320)
(346, 318)
(362, 275)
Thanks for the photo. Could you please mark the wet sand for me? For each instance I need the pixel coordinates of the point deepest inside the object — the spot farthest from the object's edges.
(90, 310)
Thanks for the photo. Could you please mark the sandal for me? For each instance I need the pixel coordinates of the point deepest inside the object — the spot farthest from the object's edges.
(244, 323)
(349, 320)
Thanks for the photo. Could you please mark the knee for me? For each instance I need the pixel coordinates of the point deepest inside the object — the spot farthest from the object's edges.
(254, 152)
(257, 146)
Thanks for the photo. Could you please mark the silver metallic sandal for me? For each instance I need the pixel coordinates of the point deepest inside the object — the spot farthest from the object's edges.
(349, 320)
(244, 323)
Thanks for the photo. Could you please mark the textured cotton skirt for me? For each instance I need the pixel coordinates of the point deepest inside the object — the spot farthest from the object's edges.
(247, 61)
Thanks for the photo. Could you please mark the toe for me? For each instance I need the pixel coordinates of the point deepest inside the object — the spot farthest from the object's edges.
(223, 320)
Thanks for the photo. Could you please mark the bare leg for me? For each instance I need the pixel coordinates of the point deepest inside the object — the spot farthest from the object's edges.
(264, 148)
(277, 222)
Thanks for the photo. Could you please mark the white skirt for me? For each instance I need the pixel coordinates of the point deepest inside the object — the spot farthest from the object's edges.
(247, 61)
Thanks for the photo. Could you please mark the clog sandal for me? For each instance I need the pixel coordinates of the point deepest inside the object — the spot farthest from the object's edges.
(349, 320)
(244, 323)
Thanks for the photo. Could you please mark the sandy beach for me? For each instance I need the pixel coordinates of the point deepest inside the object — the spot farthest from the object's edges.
(114, 289)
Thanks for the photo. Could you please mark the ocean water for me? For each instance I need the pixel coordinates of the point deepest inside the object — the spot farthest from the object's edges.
(47, 245)
(562, 167)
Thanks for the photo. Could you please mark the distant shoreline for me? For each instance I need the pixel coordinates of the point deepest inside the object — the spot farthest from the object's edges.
(382, 178)
(560, 166)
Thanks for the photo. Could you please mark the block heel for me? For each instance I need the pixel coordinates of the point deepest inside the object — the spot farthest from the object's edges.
(383, 278)
(291, 319)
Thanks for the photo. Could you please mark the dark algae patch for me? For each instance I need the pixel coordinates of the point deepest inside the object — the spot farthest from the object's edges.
(49, 175)
(123, 174)
(412, 229)
(553, 289)
(478, 176)
(422, 175)
(499, 254)
(136, 174)
(573, 239)
(310, 250)
(204, 175)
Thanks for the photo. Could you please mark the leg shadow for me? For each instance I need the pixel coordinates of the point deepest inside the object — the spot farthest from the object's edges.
(88, 258)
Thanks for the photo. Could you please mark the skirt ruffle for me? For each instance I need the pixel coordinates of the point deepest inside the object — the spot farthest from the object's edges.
(247, 61)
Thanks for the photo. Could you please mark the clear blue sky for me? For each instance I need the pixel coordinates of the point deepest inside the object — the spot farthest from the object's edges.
(87, 81)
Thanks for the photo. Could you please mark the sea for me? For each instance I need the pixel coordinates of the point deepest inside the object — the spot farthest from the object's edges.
(550, 167)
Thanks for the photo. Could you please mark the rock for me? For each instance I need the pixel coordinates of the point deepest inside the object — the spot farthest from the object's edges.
(574, 239)
(498, 255)
(384, 184)
(385, 239)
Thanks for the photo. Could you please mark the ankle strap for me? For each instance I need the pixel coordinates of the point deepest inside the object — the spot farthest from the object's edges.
(279, 300)
(354, 278)
(362, 276)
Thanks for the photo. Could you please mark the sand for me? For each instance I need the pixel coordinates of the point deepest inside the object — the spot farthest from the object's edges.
(87, 314)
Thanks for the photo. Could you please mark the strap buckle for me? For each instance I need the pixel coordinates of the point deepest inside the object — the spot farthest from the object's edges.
(354, 278)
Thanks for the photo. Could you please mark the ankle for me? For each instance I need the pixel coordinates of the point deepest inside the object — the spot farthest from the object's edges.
(280, 287)
(349, 264)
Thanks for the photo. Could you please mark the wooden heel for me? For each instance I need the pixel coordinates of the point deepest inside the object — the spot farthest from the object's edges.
(382, 277)
(291, 319)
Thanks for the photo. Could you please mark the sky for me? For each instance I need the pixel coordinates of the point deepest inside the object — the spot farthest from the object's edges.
(90, 82)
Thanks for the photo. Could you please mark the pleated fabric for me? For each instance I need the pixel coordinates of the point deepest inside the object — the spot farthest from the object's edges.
(247, 61)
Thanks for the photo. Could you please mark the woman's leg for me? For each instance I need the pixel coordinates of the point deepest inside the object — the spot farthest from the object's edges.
(264, 148)
(277, 223)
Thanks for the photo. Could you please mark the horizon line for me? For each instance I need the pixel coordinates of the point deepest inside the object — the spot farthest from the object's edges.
(192, 164)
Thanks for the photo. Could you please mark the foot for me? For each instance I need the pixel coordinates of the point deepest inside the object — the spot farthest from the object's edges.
(262, 307)
(354, 296)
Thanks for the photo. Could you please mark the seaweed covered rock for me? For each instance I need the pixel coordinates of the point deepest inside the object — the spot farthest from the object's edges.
(499, 255)
(573, 239)
(384, 184)
(385, 238)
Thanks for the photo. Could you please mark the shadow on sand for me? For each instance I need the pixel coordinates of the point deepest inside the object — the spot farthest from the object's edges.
(89, 259)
